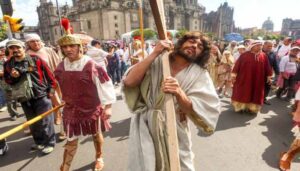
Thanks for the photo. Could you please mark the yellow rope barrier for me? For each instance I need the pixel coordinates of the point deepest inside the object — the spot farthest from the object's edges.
(28, 123)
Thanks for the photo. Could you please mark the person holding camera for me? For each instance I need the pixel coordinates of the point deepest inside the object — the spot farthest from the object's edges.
(32, 84)
(2, 90)
(10, 103)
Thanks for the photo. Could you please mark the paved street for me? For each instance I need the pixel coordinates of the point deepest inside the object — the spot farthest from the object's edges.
(241, 143)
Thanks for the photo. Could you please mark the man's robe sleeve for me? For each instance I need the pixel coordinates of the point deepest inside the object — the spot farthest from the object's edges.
(105, 88)
(205, 102)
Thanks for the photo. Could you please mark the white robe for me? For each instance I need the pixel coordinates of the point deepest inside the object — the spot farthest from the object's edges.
(98, 55)
(147, 143)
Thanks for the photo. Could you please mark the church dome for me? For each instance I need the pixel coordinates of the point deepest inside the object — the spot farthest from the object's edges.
(268, 25)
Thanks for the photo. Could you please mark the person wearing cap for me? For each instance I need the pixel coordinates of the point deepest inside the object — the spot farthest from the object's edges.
(2, 88)
(10, 103)
(249, 75)
(88, 93)
(268, 50)
(35, 46)
(17, 68)
(287, 157)
(288, 69)
(240, 50)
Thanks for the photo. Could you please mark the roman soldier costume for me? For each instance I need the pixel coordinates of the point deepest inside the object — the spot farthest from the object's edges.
(86, 88)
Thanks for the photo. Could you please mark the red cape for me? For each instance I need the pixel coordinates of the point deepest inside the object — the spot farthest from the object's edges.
(252, 73)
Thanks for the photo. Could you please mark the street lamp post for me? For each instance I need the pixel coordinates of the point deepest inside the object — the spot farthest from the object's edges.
(59, 18)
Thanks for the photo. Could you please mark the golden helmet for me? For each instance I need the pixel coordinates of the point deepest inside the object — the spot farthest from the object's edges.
(68, 38)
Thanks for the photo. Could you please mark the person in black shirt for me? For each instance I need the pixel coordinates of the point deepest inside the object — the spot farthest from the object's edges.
(267, 49)
(44, 84)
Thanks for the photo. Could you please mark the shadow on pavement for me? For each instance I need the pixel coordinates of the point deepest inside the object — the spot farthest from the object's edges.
(86, 167)
(7, 128)
(4, 119)
(27, 163)
(230, 119)
(12, 137)
(19, 150)
(119, 129)
(278, 130)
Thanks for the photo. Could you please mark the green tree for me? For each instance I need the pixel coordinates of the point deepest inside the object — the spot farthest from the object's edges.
(246, 37)
(268, 37)
(3, 28)
(211, 35)
(180, 33)
(148, 33)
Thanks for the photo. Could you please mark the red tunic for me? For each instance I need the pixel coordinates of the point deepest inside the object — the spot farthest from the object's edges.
(252, 73)
(82, 105)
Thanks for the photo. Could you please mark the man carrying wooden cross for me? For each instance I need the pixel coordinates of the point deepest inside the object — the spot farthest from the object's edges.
(194, 95)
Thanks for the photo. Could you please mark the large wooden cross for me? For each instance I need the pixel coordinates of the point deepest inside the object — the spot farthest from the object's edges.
(157, 7)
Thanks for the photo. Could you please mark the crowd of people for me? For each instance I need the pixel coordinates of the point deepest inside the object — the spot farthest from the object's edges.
(52, 78)
(55, 74)
(245, 71)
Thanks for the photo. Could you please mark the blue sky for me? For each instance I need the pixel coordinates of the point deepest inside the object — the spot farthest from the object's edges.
(247, 13)
(26, 9)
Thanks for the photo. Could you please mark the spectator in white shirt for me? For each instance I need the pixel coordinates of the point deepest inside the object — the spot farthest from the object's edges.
(283, 49)
(288, 68)
(98, 54)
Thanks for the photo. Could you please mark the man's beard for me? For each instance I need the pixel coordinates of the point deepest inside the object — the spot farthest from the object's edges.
(189, 58)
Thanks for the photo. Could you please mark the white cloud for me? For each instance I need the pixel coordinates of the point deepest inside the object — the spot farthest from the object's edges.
(27, 12)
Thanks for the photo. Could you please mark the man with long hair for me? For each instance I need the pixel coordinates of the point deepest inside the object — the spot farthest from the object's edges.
(195, 100)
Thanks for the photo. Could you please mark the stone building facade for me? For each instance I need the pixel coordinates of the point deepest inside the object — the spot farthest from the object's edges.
(219, 22)
(48, 21)
(109, 19)
(291, 28)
